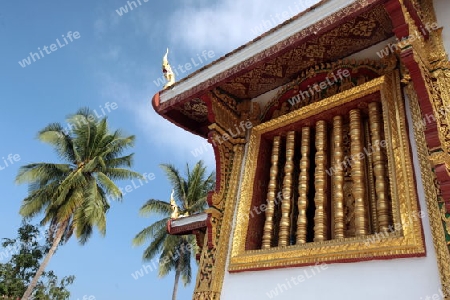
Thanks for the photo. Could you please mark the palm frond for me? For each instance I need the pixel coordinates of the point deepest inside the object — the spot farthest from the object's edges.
(177, 182)
(121, 174)
(117, 145)
(150, 232)
(155, 206)
(155, 246)
(101, 130)
(34, 203)
(65, 209)
(198, 206)
(109, 186)
(190, 195)
(124, 161)
(41, 172)
(55, 135)
(170, 254)
(186, 269)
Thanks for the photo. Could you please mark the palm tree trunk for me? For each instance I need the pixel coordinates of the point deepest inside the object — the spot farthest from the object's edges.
(44, 263)
(175, 285)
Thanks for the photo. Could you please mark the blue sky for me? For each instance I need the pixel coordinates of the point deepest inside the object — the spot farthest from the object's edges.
(115, 59)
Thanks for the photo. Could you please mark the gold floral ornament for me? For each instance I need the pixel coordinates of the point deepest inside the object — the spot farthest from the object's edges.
(446, 221)
(175, 212)
(175, 209)
(167, 70)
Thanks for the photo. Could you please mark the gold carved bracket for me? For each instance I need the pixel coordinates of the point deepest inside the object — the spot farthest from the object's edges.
(229, 155)
(438, 158)
(433, 63)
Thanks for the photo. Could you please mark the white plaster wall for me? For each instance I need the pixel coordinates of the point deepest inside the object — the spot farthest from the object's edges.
(442, 8)
(372, 52)
(265, 98)
(399, 279)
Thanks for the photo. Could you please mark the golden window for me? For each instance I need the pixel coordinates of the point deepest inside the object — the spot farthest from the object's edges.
(331, 181)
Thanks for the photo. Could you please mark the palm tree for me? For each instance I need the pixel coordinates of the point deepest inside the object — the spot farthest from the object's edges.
(188, 197)
(73, 196)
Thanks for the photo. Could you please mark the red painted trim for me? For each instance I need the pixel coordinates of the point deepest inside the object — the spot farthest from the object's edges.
(218, 169)
(178, 118)
(415, 16)
(168, 225)
(155, 101)
(208, 101)
(394, 9)
(186, 229)
(431, 131)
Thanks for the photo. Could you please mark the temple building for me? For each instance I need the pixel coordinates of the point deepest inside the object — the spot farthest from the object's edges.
(331, 135)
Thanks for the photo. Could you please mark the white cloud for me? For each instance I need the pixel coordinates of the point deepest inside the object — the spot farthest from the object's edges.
(100, 27)
(112, 54)
(230, 23)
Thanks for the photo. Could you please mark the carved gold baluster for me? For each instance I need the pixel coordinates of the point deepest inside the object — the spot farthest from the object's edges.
(359, 192)
(370, 182)
(284, 238)
(303, 186)
(320, 183)
(268, 225)
(338, 178)
(383, 211)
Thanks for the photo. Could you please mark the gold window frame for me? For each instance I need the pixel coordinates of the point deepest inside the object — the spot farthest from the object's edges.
(406, 242)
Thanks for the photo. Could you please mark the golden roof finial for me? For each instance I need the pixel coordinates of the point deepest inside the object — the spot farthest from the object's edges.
(174, 206)
(167, 70)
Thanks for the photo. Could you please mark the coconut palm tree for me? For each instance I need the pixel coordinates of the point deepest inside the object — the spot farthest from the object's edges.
(73, 195)
(188, 197)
